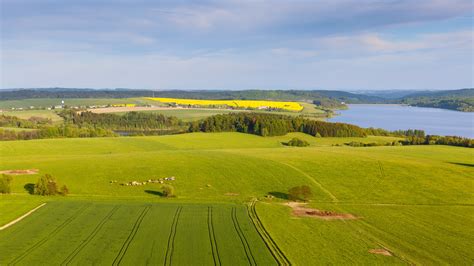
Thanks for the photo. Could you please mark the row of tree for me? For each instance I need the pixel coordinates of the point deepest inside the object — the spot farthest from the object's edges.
(127, 121)
(439, 140)
(60, 131)
(274, 125)
(46, 186)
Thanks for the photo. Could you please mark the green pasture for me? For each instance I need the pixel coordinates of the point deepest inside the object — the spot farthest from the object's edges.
(415, 201)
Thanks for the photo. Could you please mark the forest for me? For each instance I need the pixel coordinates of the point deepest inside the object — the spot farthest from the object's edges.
(88, 124)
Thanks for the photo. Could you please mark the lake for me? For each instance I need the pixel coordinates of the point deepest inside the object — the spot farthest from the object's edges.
(392, 117)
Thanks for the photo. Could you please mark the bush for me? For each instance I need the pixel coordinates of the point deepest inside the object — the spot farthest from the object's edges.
(64, 190)
(46, 186)
(168, 191)
(300, 193)
(5, 184)
(297, 142)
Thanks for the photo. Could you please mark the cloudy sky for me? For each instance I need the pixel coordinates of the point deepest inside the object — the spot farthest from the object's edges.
(319, 44)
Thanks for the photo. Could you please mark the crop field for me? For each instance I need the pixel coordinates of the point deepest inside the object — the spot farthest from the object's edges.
(290, 106)
(81, 232)
(415, 203)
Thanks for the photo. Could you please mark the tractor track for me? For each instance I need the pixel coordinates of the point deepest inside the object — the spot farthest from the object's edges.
(243, 239)
(89, 238)
(52, 234)
(171, 237)
(131, 236)
(212, 237)
(276, 252)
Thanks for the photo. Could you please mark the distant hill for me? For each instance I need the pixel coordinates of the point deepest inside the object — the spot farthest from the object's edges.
(330, 99)
(460, 100)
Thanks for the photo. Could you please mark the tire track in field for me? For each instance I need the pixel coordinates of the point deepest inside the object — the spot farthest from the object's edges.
(53, 233)
(374, 184)
(171, 237)
(131, 236)
(334, 199)
(89, 238)
(212, 237)
(276, 252)
(243, 240)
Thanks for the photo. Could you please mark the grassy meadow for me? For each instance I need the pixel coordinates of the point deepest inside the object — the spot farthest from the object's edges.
(415, 201)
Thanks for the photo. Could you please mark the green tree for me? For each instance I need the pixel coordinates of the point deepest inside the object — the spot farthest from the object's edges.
(5, 184)
(46, 185)
(297, 142)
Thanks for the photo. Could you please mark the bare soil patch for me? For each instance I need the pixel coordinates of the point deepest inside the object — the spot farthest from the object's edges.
(301, 211)
(20, 172)
(231, 194)
(380, 251)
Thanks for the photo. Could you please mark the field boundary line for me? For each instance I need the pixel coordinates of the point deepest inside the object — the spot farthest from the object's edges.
(3, 227)
(171, 237)
(334, 199)
(131, 236)
(272, 246)
(212, 237)
(243, 240)
(53, 233)
(86, 241)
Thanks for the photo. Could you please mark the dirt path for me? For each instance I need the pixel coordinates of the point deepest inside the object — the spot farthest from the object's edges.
(127, 109)
(141, 108)
(20, 218)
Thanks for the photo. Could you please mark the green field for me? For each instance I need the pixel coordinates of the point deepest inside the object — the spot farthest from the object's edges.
(135, 233)
(26, 114)
(415, 201)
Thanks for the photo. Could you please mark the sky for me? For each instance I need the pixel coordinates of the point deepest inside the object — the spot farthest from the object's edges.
(294, 44)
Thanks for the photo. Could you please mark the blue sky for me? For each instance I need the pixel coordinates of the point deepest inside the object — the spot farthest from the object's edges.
(319, 44)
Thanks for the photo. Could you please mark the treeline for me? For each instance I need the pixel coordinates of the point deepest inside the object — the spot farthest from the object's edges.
(397, 133)
(459, 100)
(32, 122)
(440, 140)
(274, 125)
(61, 131)
(127, 121)
(425, 140)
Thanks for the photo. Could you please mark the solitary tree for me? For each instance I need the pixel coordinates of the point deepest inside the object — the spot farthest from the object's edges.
(300, 193)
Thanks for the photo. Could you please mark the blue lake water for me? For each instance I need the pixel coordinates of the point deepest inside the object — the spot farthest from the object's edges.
(392, 117)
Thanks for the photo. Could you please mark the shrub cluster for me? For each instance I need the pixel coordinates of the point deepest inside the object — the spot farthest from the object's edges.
(297, 142)
(130, 120)
(47, 186)
(5, 184)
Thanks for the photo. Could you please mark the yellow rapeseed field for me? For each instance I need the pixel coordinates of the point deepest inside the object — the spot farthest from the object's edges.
(290, 106)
